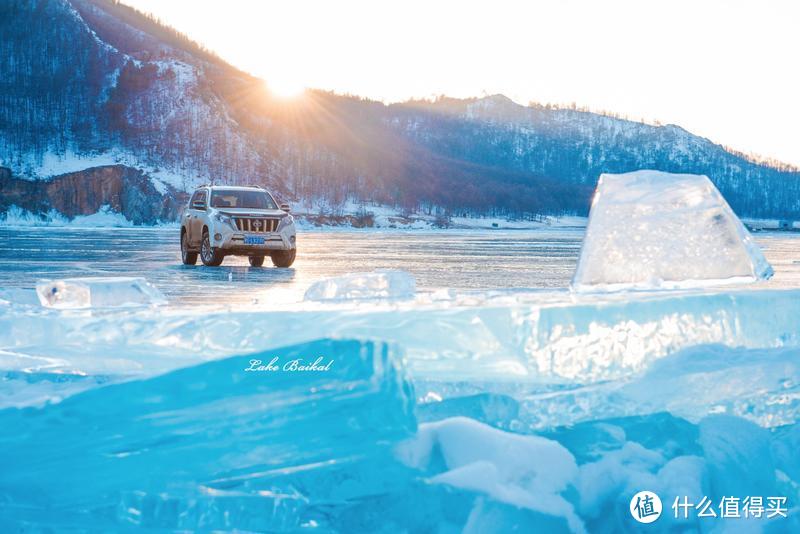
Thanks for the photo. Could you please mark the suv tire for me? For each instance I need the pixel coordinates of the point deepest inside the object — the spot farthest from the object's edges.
(187, 256)
(208, 255)
(256, 261)
(284, 258)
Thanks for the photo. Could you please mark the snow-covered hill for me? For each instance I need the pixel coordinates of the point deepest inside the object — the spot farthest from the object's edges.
(92, 83)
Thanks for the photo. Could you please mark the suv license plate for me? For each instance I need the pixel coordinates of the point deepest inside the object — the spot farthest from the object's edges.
(253, 240)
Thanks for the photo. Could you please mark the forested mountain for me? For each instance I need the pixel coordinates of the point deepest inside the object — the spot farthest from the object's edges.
(575, 147)
(89, 83)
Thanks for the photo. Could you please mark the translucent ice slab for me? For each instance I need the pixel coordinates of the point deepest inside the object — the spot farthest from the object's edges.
(650, 229)
(552, 338)
(99, 292)
(212, 446)
(377, 284)
(761, 385)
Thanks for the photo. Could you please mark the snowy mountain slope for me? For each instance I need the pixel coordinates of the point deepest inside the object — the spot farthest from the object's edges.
(89, 83)
(577, 146)
(70, 95)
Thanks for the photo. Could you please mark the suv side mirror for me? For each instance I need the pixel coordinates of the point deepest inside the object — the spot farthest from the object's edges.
(198, 205)
(285, 207)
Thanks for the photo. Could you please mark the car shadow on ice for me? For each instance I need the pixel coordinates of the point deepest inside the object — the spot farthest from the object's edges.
(235, 273)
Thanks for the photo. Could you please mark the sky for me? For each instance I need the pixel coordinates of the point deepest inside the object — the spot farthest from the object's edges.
(724, 69)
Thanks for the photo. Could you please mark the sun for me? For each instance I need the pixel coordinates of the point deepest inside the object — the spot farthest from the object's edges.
(284, 87)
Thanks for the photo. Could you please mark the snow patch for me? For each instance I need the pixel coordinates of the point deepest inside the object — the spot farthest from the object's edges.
(181, 180)
(608, 483)
(104, 218)
(524, 471)
(54, 164)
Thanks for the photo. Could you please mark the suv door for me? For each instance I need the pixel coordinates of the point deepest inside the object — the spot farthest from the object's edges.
(188, 217)
(197, 210)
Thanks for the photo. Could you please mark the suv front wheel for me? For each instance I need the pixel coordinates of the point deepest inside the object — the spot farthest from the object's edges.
(187, 256)
(283, 258)
(208, 254)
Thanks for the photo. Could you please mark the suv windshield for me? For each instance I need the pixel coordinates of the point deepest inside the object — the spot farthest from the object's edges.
(242, 199)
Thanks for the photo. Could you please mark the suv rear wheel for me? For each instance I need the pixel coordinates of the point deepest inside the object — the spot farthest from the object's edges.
(208, 254)
(256, 261)
(187, 256)
(283, 258)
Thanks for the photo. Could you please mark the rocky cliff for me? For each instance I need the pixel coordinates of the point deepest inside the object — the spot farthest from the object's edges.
(125, 190)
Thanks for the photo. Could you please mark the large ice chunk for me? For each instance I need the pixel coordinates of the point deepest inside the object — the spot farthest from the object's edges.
(99, 292)
(377, 284)
(650, 229)
(245, 443)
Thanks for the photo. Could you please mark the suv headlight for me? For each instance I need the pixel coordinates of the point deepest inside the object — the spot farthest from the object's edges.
(224, 219)
(286, 221)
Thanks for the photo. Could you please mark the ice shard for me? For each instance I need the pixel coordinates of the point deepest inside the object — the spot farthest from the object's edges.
(651, 230)
(382, 284)
(98, 292)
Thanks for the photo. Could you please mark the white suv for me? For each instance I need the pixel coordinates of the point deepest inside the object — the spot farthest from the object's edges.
(237, 221)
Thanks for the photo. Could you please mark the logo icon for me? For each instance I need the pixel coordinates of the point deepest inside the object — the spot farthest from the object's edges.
(645, 507)
(257, 224)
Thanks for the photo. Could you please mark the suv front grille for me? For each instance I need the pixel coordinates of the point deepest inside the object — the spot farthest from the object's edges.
(256, 224)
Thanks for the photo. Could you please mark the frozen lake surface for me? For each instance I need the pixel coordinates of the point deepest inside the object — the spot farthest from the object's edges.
(458, 259)
(465, 411)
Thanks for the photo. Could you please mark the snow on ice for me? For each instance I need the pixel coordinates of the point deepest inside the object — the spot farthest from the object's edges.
(104, 218)
(527, 472)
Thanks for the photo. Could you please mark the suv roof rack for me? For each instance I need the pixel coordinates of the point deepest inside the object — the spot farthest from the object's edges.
(231, 185)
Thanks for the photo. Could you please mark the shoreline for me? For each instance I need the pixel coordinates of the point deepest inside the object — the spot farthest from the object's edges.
(106, 218)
